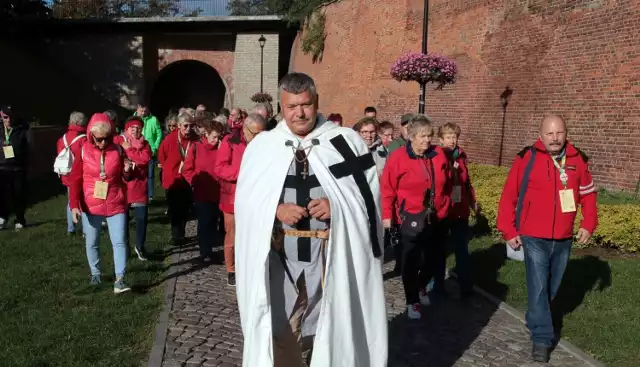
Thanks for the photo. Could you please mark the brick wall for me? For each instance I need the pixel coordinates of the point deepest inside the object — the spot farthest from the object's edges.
(247, 67)
(580, 59)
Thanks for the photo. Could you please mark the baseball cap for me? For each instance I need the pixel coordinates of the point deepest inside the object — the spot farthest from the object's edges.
(405, 118)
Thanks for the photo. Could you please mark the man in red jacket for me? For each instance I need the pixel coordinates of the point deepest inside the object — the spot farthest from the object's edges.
(538, 212)
(74, 137)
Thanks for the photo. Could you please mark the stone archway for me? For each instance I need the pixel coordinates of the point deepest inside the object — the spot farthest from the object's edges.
(187, 83)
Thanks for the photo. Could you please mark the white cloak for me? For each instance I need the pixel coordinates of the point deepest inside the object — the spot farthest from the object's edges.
(352, 325)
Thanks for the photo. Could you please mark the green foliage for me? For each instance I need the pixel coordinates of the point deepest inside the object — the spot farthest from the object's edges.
(619, 224)
(101, 9)
(314, 36)
(24, 9)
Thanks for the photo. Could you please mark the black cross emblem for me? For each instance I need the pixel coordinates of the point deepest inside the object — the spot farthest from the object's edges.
(356, 166)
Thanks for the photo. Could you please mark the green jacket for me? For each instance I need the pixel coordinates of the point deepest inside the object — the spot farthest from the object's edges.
(397, 143)
(152, 132)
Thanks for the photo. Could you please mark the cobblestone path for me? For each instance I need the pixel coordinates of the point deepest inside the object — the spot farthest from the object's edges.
(204, 327)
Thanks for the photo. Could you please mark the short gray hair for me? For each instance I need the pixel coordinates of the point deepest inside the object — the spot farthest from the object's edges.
(185, 117)
(297, 83)
(77, 118)
(221, 119)
(266, 106)
(419, 123)
(255, 119)
(101, 127)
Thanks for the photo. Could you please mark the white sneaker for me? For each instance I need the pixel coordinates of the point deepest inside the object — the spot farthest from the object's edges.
(140, 256)
(2, 223)
(19, 226)
(413, 311)
(424, 298)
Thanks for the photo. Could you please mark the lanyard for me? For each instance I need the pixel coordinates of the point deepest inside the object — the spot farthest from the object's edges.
(103, 174)
(560, 166)
(7, 135)
(183, 151)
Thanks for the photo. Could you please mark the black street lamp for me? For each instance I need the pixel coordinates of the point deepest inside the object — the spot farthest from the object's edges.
(262, 41)
(425, 33)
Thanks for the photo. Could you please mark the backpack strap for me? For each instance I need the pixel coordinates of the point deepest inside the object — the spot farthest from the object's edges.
(75, 139)
(523, 186)
(64, 141)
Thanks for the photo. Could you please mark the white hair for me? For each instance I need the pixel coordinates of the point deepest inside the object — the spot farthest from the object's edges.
(102, 128)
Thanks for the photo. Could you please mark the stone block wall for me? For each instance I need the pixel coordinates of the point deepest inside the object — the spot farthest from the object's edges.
(246, 73)
(580, 59)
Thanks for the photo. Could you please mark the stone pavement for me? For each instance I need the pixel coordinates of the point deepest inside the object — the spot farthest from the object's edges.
(204, 327)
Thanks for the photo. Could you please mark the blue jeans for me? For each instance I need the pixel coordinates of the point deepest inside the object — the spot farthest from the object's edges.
(151, 177)
(141, 214)
(117, 224)
(459, 228)
(71, 227)
(208, 214)
(546, 261)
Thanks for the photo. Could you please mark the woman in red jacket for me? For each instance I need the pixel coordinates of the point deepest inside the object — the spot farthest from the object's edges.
(139, 152)
(98, 190)
(198, 170)
(416, 182)
(226, 170)
(171, 154)
(463, 199)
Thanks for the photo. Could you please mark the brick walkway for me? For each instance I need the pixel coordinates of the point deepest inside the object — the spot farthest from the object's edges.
(204, 327)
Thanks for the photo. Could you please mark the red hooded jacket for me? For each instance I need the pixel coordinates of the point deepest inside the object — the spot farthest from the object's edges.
(199, 171)
(460, 177)
(227, 167)
(86, 172)
(72, 133)
(542, 215)
(170, 157)
(137, 186)
(406, 177)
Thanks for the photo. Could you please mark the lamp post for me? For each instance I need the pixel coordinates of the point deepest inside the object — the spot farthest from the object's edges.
(262, 41)
(504, 100)
(425, 33)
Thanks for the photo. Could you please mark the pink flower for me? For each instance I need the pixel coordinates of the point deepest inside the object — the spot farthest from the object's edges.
(423, 68)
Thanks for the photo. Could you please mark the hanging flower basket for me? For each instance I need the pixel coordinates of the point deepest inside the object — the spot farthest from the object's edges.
(424, 69)
(261, 97)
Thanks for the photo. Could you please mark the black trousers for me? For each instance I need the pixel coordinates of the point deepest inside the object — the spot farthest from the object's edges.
(423, 256)
(179, 204)
(13, 194)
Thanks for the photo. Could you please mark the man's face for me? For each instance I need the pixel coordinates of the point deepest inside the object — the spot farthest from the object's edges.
(142, 111)
(404, 132)
(234, 116)
(449, 141)
(368, 133)
(386, 135)
(299, 111)
(370, 114)
(553, 134)
(251, 130)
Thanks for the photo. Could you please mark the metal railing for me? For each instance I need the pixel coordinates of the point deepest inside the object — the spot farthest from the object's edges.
(109, 9)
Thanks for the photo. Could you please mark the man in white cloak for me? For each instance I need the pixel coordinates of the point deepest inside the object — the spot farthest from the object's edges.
(309, 242)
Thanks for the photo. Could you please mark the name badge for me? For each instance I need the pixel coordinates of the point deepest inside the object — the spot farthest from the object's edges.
(567, 201)
(100, 190)
(8, 151)
(456, 194)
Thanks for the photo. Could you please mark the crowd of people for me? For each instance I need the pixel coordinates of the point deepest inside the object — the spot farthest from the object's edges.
(304, 204)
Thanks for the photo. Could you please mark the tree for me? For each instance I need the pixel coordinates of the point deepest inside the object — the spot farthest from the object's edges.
(295, 11)
(105, 9)
(21, 9)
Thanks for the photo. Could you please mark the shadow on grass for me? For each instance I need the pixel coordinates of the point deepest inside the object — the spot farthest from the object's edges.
(43, 188)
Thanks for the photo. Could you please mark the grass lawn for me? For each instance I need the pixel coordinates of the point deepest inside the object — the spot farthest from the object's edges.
(599, 297)
(50, 316)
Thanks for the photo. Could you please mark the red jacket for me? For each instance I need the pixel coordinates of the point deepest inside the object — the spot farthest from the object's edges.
(460, 177)
(227, 167)
(86, 172)
(199, 169)
(406, 177)
(72, 133)
(542, 215)
(170, 157)
(137, 186)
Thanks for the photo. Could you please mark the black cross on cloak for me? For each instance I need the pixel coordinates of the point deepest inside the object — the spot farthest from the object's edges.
(356, 166)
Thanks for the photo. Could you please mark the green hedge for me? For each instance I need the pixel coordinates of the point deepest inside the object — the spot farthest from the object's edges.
(619, 224)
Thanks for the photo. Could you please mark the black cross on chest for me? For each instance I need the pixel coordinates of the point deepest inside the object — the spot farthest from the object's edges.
(302, 182)
(356, 166)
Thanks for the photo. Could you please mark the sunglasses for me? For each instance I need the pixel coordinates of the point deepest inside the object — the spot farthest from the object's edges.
(100, 140)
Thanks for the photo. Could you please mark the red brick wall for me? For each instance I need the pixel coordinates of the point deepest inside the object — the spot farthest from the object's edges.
(580, 59)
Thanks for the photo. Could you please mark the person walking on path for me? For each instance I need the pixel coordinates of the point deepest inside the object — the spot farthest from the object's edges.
(97, 192)
(309, 242)
(546, 184)
(152, 132)
(227, 168)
